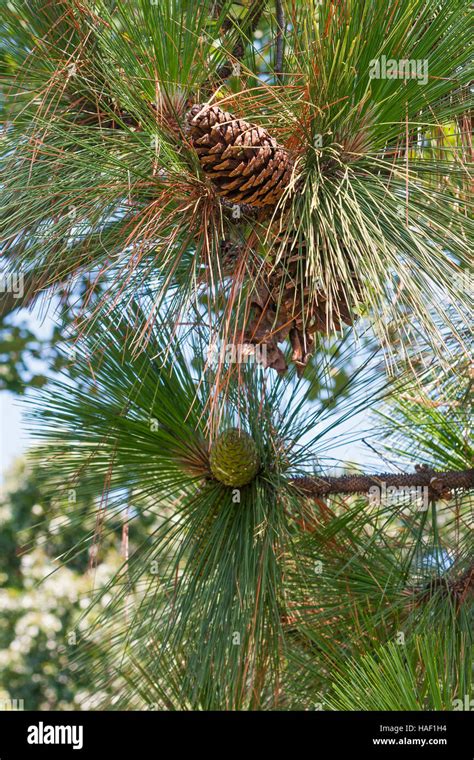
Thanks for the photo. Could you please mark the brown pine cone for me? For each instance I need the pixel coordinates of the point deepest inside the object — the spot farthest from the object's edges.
(284, 306)
(246, 164)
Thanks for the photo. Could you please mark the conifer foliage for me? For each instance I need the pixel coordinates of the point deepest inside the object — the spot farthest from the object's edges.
(275, 230)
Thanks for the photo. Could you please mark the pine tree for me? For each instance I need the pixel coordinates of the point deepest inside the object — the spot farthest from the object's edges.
(251, 192)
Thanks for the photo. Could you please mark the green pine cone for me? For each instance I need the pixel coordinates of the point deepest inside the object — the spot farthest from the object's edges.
(234, 458)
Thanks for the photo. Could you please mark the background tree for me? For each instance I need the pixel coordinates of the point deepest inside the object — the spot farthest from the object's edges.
(41, 599)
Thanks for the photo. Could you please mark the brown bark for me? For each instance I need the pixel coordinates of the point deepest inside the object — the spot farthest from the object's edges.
(439, 483)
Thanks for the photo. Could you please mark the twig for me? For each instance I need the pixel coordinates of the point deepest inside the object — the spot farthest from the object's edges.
(438, 482)
(280, 19)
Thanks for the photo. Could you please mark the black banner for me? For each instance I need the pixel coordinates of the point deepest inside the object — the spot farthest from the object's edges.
(381, 734)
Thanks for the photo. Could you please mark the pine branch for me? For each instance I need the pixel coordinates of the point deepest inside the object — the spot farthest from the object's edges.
(439, 483)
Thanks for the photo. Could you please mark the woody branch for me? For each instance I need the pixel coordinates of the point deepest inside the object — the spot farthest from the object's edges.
(440, 484)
